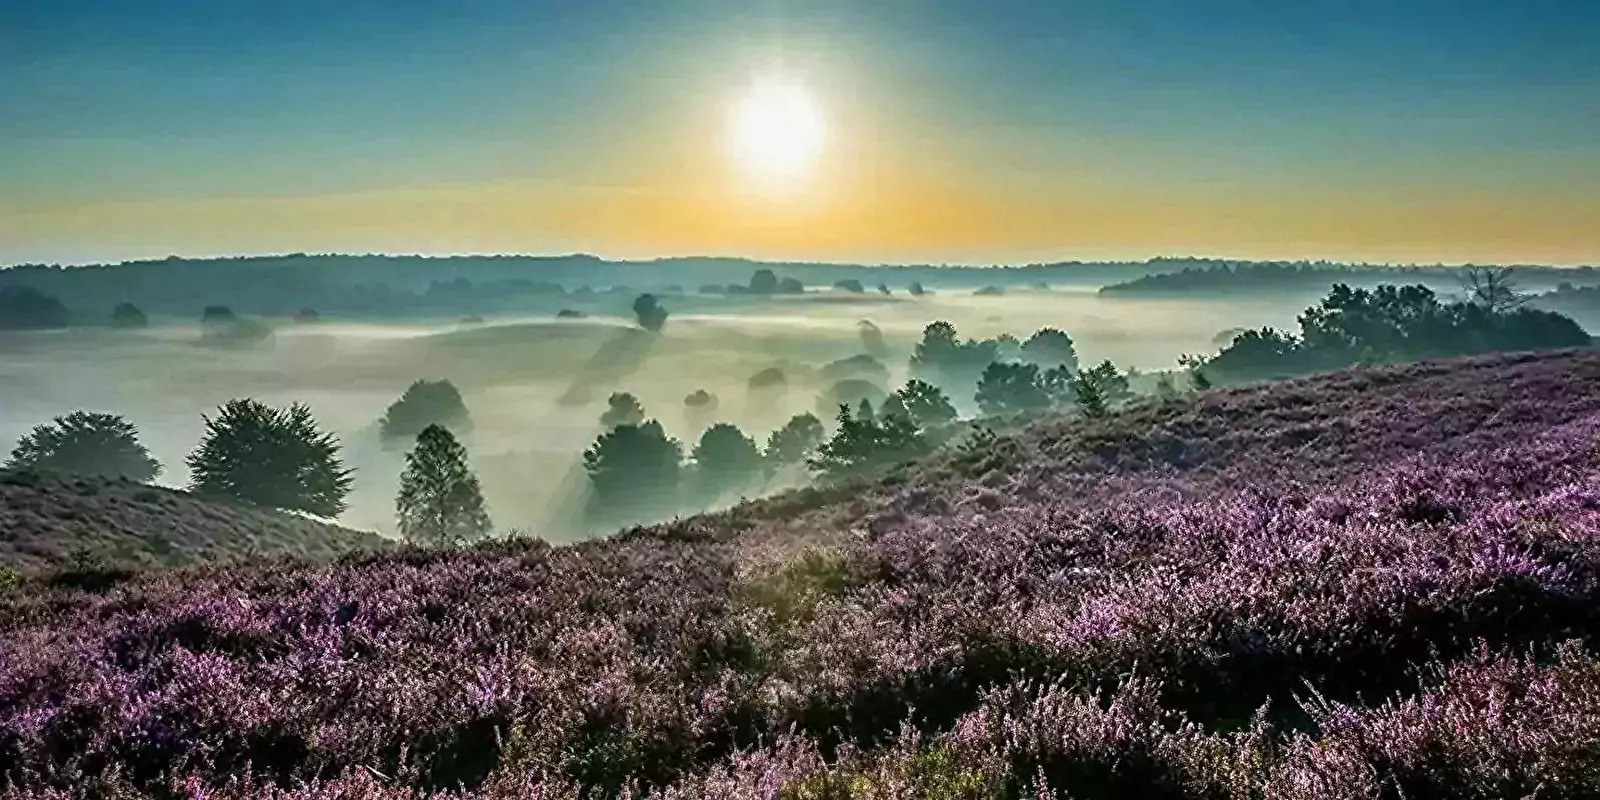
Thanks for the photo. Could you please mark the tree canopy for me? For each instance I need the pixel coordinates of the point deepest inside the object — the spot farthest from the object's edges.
(622, 408)
(86, 443)
(1049, 348)
(440, 502)
(649, 313)
(1010, 387)
(271, 457)
(726, 460)
(25, 308)
(796, 441)
(634, 471)
(425, 403)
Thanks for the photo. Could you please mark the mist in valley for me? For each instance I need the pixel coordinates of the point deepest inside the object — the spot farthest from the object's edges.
(536, 385)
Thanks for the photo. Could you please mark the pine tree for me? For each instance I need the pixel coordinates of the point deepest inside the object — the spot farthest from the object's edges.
(271, 457)
(440, 502)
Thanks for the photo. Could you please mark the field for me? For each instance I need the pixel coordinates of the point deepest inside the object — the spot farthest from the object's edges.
(1376, 583)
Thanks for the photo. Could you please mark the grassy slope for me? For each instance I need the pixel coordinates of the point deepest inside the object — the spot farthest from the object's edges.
(45, 518)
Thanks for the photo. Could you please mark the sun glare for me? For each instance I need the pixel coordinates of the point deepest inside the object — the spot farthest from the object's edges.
(777, 132)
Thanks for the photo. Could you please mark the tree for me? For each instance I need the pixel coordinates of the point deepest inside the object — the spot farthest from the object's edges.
(424, 403)
(926, 404)
(1007, 388)
(220, 326)
(1098, 388)
(883, 288)
(27, 308)
(871, 338)
(861, 443)
(622, 408)
(1088, 395)
(1494, 288)
(849, 285)
(763, 281)
(791, 286)
(651, 316)
(943, 359)
(271, 457)
(726, 460)
(128, 315)
(1050, 348)
(796, 441)
(634, 470)
(440, 502)
(917, 289)
(86, 443)
(771, 378)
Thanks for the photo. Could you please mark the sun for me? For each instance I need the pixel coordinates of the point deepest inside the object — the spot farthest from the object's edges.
(776, 132)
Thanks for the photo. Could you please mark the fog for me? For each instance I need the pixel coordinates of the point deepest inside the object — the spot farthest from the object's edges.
(535, 386)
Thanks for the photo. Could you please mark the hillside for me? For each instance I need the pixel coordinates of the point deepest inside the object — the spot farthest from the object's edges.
(1375, 583)
(47, 519)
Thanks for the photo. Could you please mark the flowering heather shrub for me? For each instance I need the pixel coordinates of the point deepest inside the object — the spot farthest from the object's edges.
(1376, 584)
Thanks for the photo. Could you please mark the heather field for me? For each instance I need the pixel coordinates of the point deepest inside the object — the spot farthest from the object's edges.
(1373, 584)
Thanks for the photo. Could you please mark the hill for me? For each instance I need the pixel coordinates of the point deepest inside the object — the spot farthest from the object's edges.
(46, 520)
(1374, 583)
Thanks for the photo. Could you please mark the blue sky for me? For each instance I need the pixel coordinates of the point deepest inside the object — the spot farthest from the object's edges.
(139, 102)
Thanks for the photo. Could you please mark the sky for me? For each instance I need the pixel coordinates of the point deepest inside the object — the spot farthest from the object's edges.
(949, 132)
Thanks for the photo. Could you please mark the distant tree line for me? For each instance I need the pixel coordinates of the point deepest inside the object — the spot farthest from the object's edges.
(1390, 324)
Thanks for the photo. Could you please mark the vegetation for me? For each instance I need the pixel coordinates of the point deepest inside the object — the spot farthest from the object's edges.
(795, 442)
(864, 442)
(622, 408)
(128, 315)
(439, 501)
(1049, 348)
(634, 471)
(271, 457)
(26, 308)
(1008, 388)
(1390, 324)
(726, 461)
(649, 313)
(926, 404)
(86, 443)
(425, 404)
(1362, 584)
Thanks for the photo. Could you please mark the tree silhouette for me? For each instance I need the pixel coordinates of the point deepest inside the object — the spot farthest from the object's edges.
(763, 281)
(270, 457)
(861, 443)
(648, 311)
(128, 315)
(1007, 388)
(1494, 288)
(24, 308)
(795, 441)
(440, 502)
(634, 470)
(1098, 388)
(1050, 348)
(850, 285)
(424, 403)
(871, 338)
(726, 460)
(86, 443)
(926, 404)
(622, 408)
